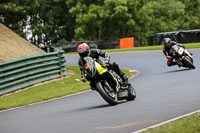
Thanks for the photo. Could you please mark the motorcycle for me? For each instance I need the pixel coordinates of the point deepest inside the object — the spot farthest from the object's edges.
(108, 84)
(182, 57)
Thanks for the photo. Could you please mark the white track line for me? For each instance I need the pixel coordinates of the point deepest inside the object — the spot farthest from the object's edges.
(46, 101)
(165, 122)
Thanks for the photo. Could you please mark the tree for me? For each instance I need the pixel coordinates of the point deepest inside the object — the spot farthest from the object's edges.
(59, 21)
(105, 20)
(160, 16)
(191, 17)
(13, 14)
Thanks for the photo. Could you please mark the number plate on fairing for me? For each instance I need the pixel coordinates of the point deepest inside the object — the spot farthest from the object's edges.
(180, 51)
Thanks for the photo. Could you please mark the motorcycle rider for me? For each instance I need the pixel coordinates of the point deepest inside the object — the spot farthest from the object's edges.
(166, 50)
(84, 50)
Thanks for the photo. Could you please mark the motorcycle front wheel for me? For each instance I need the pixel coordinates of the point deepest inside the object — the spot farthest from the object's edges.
(131, 93)
(188, 62)
(107, 92)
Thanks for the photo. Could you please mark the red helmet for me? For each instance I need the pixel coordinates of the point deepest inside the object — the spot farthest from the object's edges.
(83, 50)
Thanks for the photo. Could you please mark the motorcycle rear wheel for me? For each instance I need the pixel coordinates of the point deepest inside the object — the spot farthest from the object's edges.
(104, 90)
(131, 93)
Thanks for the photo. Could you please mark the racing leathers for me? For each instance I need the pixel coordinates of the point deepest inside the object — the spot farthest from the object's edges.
(96, 54)
(168, 54)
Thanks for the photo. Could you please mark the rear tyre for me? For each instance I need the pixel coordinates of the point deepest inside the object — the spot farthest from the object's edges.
(131, 93)
(108, 93)
(188, 62)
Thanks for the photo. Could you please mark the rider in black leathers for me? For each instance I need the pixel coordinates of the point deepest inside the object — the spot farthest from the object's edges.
(166, 50)
(84, 50)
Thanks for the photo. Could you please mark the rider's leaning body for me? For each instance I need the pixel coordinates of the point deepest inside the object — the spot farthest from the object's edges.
(84, 51)
(166, 50)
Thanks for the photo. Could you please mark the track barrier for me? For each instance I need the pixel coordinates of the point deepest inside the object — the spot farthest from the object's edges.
(27, 71)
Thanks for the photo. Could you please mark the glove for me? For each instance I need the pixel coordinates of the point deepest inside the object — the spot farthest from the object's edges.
(83, 79)
(106, 62)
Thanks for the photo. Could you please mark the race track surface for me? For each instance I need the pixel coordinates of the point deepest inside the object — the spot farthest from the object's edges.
(162, 94)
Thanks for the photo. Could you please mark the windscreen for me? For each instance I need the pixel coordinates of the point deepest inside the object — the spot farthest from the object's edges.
(90, 66)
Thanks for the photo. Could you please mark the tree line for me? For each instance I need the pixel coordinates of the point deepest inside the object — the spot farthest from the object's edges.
(59, 21)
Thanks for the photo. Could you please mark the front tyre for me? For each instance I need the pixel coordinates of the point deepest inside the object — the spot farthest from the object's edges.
(187, 61)
(131, 93)
(108, 94)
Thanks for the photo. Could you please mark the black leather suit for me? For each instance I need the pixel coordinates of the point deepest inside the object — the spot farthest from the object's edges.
(96, 54)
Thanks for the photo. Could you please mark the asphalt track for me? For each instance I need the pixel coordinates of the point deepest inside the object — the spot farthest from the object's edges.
(162, 94)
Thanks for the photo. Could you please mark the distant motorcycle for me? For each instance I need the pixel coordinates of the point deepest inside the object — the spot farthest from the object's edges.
(107, 83)
(182, 57)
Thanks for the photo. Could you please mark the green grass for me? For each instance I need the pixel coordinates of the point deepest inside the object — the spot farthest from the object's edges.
(189, 124)
(188, 46)
(47, 91)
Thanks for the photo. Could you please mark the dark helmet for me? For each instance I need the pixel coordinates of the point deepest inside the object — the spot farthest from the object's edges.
(83, 50)
(167, 42)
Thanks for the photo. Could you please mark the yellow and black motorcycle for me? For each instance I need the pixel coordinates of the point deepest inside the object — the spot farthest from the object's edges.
(107, 83)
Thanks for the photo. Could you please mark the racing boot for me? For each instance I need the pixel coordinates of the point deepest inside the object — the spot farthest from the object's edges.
(116, 68)
(124, 77)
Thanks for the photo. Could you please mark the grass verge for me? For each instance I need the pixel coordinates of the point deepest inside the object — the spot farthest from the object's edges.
(48, 91)
(67, 86)
(188, 124)
(188, 46)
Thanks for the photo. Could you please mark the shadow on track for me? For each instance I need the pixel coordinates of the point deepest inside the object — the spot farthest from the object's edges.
(96, 107)
(180, 70)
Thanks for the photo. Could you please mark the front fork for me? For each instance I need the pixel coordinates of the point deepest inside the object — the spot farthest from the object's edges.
(111, 80)
(187, 53)
(116, 79)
